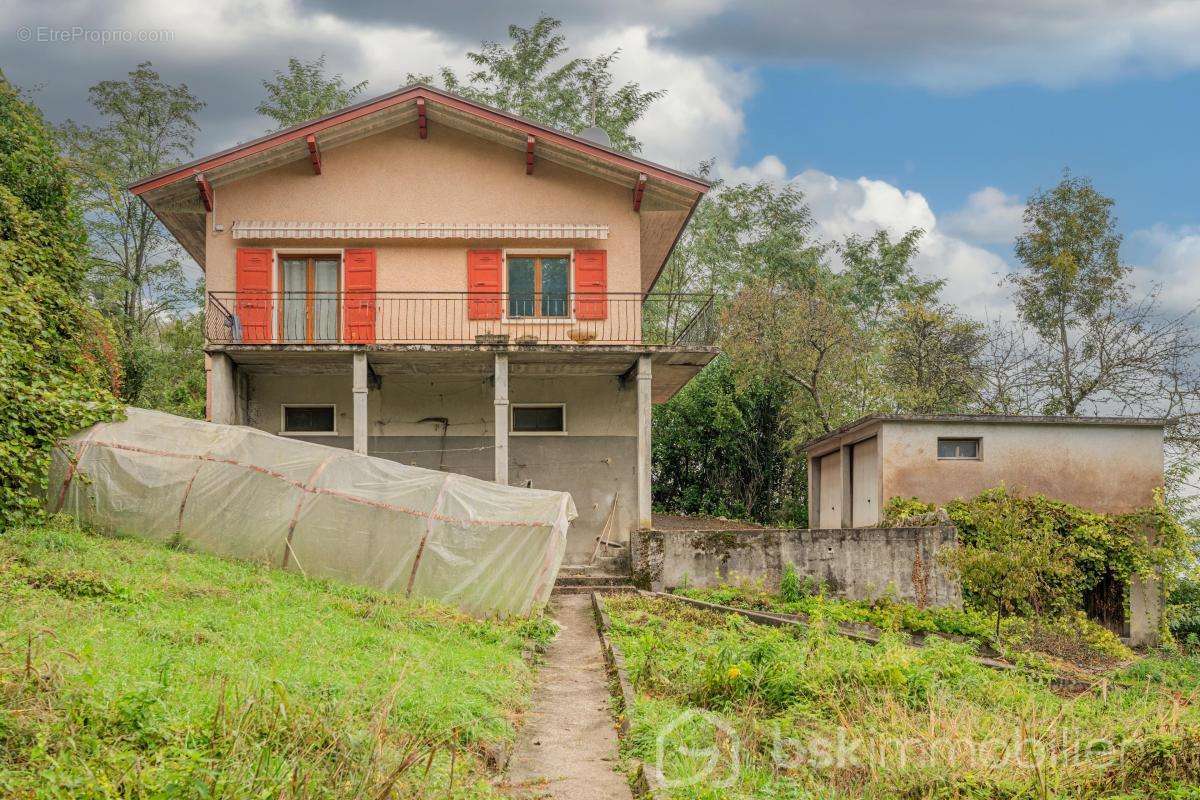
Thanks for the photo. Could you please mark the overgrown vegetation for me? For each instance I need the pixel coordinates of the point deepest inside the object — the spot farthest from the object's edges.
(58, 363)
(132, 670)
(1183, 612)
(813, 714)
(135, 268)
(1035, 556)
(1066, 643)
(725, 448)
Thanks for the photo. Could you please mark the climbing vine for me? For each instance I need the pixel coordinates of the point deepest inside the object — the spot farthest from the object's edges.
(57, 372)
(1061, 552)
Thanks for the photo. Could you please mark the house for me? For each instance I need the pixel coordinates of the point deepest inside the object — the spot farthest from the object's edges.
(1105, 464)
(430, 280)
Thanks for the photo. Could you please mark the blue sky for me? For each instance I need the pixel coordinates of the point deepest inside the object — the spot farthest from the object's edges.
(1135, 137)
(940, 114)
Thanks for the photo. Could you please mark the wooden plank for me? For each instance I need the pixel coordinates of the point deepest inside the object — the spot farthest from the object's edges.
(206, 192)
(314, 154)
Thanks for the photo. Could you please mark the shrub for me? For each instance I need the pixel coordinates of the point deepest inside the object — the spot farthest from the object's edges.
(1183, 612)
(57, 363)
(1071, 551)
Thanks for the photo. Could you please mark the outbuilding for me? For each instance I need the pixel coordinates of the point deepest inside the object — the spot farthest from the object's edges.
(1104, 464)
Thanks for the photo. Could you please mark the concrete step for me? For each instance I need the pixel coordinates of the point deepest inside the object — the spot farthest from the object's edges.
(599, 568)
(615, 589)
(593, 579)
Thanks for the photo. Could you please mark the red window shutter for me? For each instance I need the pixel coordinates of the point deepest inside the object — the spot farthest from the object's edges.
(483, 284)
(591, 284)
(358, 308)
(254, 304)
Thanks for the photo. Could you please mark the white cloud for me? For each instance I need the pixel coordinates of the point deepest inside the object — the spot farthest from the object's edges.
(989, 217)
(699, 118)
(842, 207)
(1168, 258)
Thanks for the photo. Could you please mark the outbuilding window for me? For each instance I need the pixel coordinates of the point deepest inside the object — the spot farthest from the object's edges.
(539, 419)
(959, 449)
(309, 419)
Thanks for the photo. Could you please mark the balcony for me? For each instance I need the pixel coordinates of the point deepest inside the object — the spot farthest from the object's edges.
(456, 318)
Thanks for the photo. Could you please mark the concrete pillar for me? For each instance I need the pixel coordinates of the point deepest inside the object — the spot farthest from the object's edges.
(847, 487)
(1145, 610)
(222, 390)
(501, 393)
(645, 404)
(360, 403)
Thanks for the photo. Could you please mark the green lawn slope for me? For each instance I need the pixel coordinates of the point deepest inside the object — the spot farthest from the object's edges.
(137, 671)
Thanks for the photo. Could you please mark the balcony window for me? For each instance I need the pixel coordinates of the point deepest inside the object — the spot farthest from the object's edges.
(538, 286)
(309, 309)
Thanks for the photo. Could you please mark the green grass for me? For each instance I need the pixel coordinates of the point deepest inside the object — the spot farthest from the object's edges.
(1070, 643)
(884, 613)
(813, 714)
(137, 671)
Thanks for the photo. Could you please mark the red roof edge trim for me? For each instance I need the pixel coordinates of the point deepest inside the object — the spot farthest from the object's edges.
(514, 122)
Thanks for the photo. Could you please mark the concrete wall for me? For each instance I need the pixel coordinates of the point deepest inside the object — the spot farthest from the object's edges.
(1101, 467)
(394, 176)
(595, 461)
(1108, 468)
(859, 564)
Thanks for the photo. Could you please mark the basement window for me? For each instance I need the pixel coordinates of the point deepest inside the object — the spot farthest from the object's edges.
(539, 419)
(309, 419)
(958, 449)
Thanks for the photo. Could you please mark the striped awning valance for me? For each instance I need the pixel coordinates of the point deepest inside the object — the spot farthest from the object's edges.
(417, 230)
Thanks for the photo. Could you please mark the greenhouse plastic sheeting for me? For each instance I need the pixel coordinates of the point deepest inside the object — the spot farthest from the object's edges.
(323, 511)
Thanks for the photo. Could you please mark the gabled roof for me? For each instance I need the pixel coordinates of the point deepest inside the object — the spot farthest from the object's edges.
(173, 194)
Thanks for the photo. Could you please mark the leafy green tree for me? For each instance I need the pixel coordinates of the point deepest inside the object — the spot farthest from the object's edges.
(534, 77)
(807, 339)
(742, 233)
(58, 367)
(304, 92)
(174, 357)
(725, 447)
(136, 270)
(932, 358)
(878, 274)
(1002, 576)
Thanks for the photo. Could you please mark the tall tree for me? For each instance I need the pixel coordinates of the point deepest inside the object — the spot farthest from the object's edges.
(533, 76)
(878, 274)
(808, 339)
(932, 358)
(304, 91)
(726, 447)
(1071, 288)
(136, 269)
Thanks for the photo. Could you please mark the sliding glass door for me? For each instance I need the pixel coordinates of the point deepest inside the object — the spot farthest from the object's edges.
(310, 309)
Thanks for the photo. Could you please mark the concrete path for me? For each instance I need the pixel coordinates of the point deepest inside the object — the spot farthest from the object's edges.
(567, 748)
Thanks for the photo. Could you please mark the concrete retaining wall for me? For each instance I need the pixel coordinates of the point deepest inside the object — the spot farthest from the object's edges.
(856, 563)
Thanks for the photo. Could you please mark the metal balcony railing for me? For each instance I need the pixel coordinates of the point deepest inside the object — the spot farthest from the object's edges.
(459, 318)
